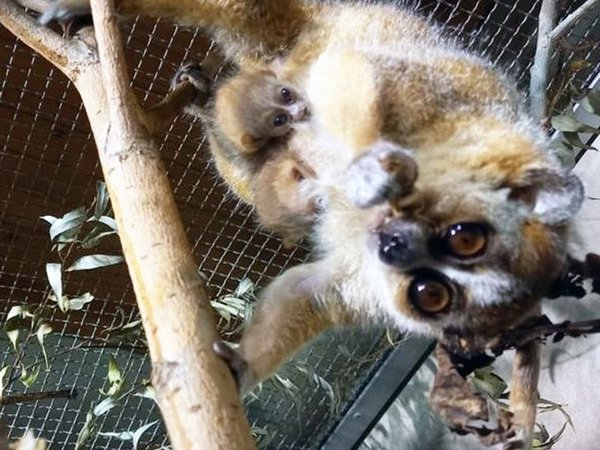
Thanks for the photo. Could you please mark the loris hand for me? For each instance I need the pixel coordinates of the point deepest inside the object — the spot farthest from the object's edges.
(237, 365)
(385, 172)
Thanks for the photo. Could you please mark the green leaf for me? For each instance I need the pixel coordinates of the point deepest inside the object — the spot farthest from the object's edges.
(77, 303)
(101, 199)
(488, 382)
(42, 331)
(104, 406)
(565, 122)
(18, 318)
(574, 140)
(95, 236)
(591, 102)
(69, 222)
(148, 392)
(3, 372)
(29, 378)
(54, 273)
(87, 430)
(109, 222)
(63, 303)
(121, 436)
(49, 219)
(114, 377)
(90, 262)
(137, 434)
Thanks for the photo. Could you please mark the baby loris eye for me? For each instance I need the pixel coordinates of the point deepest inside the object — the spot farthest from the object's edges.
(465, 240)
(287, 96)
(429, 292)
(280, 120)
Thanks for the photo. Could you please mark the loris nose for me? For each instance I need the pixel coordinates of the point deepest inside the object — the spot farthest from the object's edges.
(401, 243)
(298, 111)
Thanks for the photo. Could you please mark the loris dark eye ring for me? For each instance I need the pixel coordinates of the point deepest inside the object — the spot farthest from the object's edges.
(287, 96)
(430, 293)
(280, 120)
(465, 240)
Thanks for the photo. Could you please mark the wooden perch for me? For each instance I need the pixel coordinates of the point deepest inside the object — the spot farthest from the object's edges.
(547, 37)
(196, 393)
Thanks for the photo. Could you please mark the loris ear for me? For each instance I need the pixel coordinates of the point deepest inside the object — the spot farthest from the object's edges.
(251, 144)
(552, 195)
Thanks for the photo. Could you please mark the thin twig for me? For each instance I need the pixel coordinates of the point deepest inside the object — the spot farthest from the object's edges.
(540, 71)
(567, 23)
(68, 394)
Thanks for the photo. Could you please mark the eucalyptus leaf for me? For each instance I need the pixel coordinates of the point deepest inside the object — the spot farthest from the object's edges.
(137, 434)
(120, 435)
(591, 102)
(565, 122)
(94, 237)
(148, 392)
(17, 319)
(114, 377)
(90, 262)
(28, 378)
(104, 406)
(574, 140)
(71, 221)
(488, 382)
(77, 303)
(101, 199)
(42, 331)
(54, 273)
(49, 219)
(3, 372)
(86, 431)
(109, 222)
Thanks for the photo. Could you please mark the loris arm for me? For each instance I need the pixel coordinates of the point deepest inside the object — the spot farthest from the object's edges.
(243, 27)
(287, 316)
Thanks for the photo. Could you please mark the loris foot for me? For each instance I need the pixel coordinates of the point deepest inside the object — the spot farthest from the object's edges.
(237, 365)
(386, 172)
(197, 76)
(65, 11)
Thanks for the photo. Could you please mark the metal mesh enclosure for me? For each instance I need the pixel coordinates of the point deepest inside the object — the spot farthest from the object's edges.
(48, 165)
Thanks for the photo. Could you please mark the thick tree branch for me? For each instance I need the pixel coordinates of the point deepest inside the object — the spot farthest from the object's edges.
(196, 393)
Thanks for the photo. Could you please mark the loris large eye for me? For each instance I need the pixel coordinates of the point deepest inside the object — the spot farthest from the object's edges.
(280, 120)
(287, 96)
(429, 292)
(465, 240)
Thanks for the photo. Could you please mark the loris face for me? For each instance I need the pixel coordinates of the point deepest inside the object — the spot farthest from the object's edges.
(470, 257)
(272, 109)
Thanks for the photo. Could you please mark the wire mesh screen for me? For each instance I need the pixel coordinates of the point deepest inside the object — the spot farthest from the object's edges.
(48, 166)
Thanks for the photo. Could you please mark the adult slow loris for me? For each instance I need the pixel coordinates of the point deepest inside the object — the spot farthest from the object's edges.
(465, 249)
(249, 119)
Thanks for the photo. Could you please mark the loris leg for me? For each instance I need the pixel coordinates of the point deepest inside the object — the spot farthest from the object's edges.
(287, 316)
(524, 393)
(242, 27)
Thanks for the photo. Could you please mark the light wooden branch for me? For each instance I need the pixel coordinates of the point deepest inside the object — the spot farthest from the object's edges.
(196, 393)
(48, 44)
(567, 23)
(548, 35)
(540, 71)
